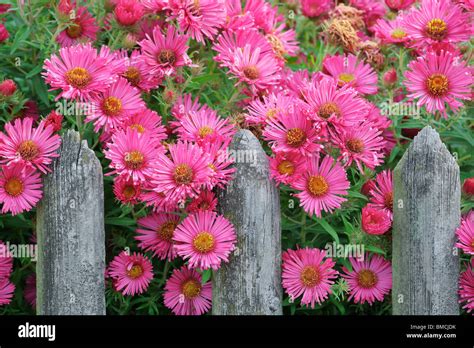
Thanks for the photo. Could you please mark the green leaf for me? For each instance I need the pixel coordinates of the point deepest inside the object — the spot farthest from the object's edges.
(20, 37)
(124, 221)
(328, 229)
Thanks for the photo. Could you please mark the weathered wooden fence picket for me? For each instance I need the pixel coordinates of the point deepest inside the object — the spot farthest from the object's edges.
(71, 240)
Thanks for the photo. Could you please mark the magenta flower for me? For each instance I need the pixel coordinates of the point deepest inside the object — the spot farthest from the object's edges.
(309, 273)
(6, 291)
(131, 273)
(81, 29)
(185, 294)
(369, 280)
(437, 80)
(156, 234)
(381, 192)
(375, 221)
(20, 188)
(205, 239)
(465, 234)
(79, 72)
(347, 70)
(466, 287)
(322, 185)
(28, 146)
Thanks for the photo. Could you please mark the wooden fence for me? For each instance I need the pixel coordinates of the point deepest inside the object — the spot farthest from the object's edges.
(71, 240)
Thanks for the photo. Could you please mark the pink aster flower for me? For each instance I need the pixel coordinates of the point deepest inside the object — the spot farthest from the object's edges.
(258, 71)
(465, 234)
(30, 290)
(200, 18)
(309, 273)
(132, 154)
(127, 191)
(315, 8)
(220, 162)
(131, 273)
(362, 144)
(391, 32)
(398, 5)
(184, 105)
(322, 186)
(164, 53)
(229, 42)
(183, 173)
(347, 70)
(128, 12)
(341, 107)
(261, 111)
(115, 104)
(205, 201)
(204, 126)
(136, 71)
(285, 168)
(26, 145)
(437, 80)
(382, 191)
(375, 221)
(159, 201)
(4, 34)
(185, 294)
(293, 133)
(81, 29)
(437, 21)
(145, 121)
(6, 291)
(282, 39)
(205, 239)
(466, 287)
(155, 234)
(20, 188)
(79, 72)
(369, 280)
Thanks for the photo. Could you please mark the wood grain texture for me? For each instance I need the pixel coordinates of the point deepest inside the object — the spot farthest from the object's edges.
(251, 282)
(426, 214)
(70, 232)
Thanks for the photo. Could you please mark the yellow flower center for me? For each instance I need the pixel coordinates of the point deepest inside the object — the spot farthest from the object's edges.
(277, 45)
(327, 109)
(436, 29)
(295, 137)
(203, 242)
(78, 77)
(166, 57)
(134, 159)
(166, 230)
(205, 131)
(310, 276)
(345, 78)
(14, 187)
(28, 150)
(251, 72)
(191, 289)
(355, 145)
(437, 85)
(366, 279)
(138, 127)
(317, 185)
(398, 34)
(286, 167)
(183, 174)
(132, 75)
(271, 113)
(112, 106)
(135, 272)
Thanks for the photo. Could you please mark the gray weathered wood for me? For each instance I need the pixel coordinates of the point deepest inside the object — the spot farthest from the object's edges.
(251, 282)
(426, 214)
(71, 238)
